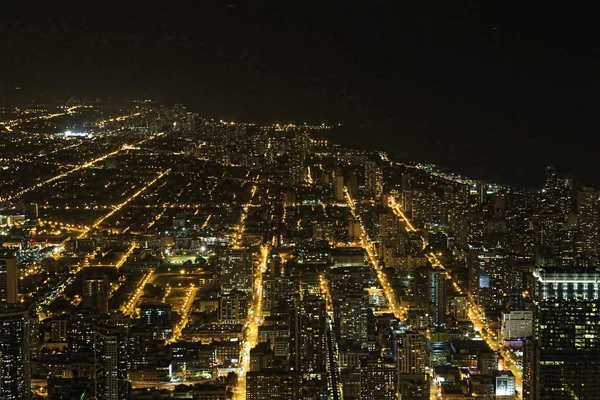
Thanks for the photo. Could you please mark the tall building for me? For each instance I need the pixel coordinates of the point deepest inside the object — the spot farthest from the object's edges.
(110, 364)
(551, 179)
(338, 185)
(437, 289)
(81, 333)
(388, 225)
(233, 307)
(95, 293)
(309, 345)
(9, 292)
(588, 221)
(278, 292)
(236, 270)
(351, 317)
(412, 353)
(379, 379)
(562, 357)
(155, 314)
(373, 179)
(15, 380)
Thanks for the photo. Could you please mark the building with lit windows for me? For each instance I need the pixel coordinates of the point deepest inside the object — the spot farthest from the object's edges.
(379, 379)
(236, 269)
(562, 357)
(373, 179)
(273, 385)
(9, 292)
(95, 293)
(15, 381)
(110, 364)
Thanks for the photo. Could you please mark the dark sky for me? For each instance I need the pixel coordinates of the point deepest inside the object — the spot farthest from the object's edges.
(488, 90)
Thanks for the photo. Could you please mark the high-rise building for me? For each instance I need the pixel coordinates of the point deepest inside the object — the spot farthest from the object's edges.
(110, 364)
(373, 179)
(309, 345)
(233, 307)
(437, 289)
(236, 270)
(153, 314)
(351, 317)
(588, 221)
(9, 292)
(551, 179)
(412, 353)
(81, 334)
(338, 183)
(388, 225)
(95, 293)
(15, 381)
(278, 292)
(459, 307)
(379, 379)
(562, 357)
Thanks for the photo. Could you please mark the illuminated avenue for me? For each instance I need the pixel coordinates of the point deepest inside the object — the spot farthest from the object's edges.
(172, 256)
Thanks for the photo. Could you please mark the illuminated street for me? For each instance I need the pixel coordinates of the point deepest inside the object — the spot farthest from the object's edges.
(251, 330)
(368, 246)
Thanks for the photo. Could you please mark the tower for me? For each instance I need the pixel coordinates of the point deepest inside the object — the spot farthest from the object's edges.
(95, 293)
(373, 179)
(588, 221)
(15, 381)
(110, 364)
(562, 356)
(437, 296)
(8, 277)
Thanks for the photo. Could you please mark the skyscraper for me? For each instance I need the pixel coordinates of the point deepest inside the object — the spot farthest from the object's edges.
(588, 221)
(8, 277)
(562, 357)
(309, 339)
(437, 296)
(338, 182)
(95, 293)
(352, 317)
(236, 269)
(373, 179)
(15, 381)
(412, 353)
(110, 364)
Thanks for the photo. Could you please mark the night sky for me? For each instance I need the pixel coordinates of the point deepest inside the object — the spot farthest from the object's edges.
(487, 90)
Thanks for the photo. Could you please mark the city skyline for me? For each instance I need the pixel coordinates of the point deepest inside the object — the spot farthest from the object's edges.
(257, 200)
(513, 88)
